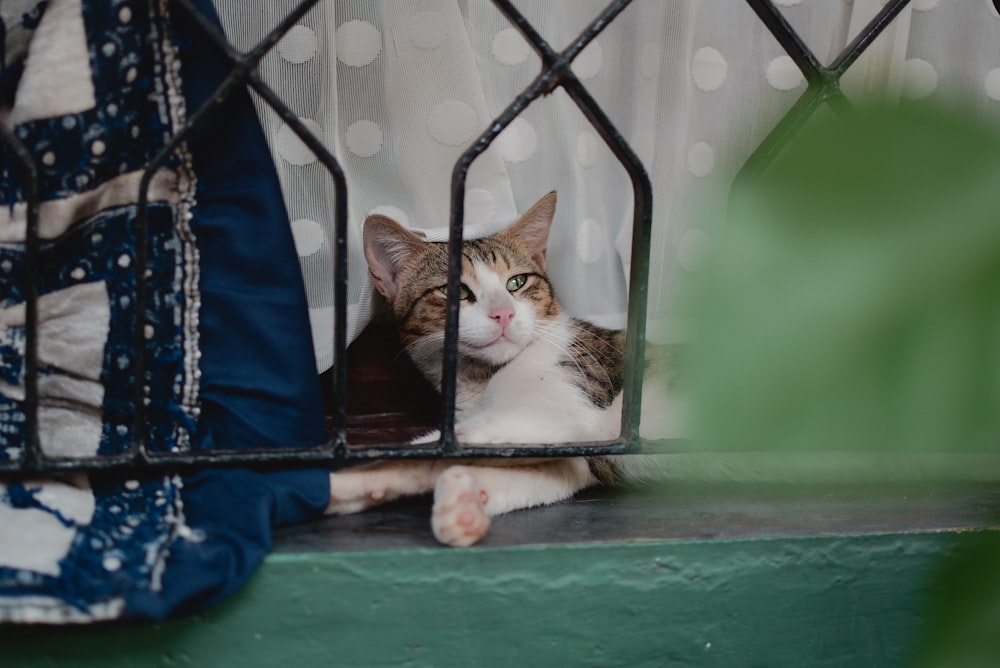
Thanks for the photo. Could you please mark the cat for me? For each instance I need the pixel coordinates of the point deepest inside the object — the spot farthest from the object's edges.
(527, 373)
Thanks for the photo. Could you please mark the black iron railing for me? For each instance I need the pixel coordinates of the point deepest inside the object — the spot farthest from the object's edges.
(823, 88)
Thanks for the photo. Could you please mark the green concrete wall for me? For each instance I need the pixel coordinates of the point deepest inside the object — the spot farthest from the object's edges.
(813, 601)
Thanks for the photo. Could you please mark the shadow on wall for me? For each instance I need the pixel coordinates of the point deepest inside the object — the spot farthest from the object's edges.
(853, 304)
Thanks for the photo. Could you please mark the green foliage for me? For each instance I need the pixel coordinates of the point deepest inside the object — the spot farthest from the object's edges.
(962, 624)
(853, 300)
(853, 304)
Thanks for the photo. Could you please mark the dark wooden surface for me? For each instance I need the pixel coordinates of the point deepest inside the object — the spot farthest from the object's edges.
(388, 400)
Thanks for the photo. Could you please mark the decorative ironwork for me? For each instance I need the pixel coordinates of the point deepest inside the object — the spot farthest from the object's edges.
(823, 88)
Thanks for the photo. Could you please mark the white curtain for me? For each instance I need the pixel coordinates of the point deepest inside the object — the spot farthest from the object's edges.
(398, 89)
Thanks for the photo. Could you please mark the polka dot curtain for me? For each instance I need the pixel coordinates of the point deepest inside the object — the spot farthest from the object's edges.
(397, 90)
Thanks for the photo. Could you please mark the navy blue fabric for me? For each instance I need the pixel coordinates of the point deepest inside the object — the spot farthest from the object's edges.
(118, 546)
(258, 386)
(231, 514)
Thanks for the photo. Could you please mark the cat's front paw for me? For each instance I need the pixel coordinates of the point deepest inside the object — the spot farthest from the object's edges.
(459, 516)
(355, 489)
(351, 493)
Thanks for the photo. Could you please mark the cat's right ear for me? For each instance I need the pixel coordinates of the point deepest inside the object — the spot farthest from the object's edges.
(532, 229)
(388, 247)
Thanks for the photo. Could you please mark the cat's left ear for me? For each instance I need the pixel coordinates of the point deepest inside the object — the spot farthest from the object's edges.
(532, 229)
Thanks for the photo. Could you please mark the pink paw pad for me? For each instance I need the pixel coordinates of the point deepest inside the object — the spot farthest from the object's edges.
(459, 518)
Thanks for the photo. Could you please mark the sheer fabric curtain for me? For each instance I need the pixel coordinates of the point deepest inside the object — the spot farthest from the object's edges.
(398, 89)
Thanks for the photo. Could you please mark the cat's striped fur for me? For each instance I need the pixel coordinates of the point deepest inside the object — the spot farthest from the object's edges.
(527, 373)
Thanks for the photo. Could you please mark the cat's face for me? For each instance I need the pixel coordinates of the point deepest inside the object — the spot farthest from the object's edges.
(505, 298)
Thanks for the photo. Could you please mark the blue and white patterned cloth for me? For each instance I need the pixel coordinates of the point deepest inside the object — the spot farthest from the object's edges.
(95, 89)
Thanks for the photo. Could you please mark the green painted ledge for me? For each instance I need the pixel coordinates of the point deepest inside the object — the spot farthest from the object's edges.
(841, 600)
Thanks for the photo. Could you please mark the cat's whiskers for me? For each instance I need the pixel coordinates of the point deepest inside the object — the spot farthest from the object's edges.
(576, 344)
(418, 348)
(578, 327)
(568, 350)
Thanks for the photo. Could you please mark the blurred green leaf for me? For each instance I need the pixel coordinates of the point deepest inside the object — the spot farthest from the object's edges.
(853, 299)
(962, 625)
(852, 303)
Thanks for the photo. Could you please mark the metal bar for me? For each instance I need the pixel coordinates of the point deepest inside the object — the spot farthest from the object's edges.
(138, 456)
(288, 457)
(240, 76)
(541, 85)
(340, 252)
(235, 79)
(790, 124)
(246, 61)
(556, 72)
(32, 454)
(638, 293)
(824, 82)
(867, 36)
(812, 69)
(535, 39)
(252, 78)
(641, 222)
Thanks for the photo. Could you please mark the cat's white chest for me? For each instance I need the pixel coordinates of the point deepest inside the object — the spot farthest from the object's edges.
(534, 399)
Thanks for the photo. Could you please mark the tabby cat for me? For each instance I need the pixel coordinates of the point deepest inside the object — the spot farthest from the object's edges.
(527, 373)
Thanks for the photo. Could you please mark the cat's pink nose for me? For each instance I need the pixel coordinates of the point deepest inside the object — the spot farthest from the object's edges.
(502, 316)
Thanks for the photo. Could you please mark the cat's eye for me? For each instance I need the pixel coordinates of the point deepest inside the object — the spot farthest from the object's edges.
(515, 283)
(463, 292)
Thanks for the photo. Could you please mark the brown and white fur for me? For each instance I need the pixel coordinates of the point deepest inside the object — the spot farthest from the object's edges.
(527, 373)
